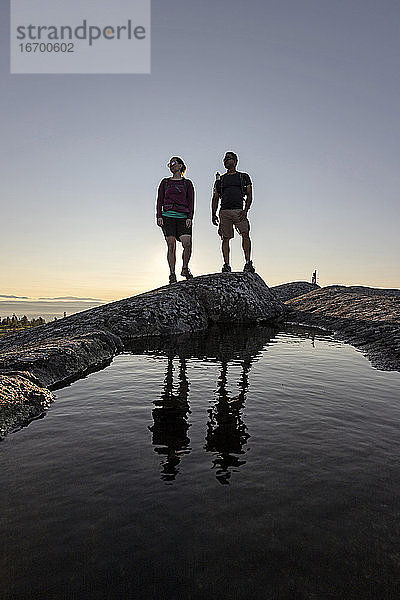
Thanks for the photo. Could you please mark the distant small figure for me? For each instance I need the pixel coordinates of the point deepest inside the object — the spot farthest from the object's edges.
(55, 318)
(65, 314)
(314, 277)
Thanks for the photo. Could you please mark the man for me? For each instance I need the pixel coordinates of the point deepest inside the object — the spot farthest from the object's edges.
(233, 188)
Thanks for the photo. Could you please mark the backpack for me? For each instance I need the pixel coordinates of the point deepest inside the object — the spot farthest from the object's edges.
(167, 181)
(243, 184)
(166, 184)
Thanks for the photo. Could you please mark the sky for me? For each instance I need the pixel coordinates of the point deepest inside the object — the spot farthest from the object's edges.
(306, 92)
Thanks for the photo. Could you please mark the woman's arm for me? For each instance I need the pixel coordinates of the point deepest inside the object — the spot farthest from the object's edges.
(160, 200)
(190, 199)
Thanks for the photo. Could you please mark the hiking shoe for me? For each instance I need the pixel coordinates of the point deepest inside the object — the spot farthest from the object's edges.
(172, 278)
(226, 269)
(248, 267)
(186, 273)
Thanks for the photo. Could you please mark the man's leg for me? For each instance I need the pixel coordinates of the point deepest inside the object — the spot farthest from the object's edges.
(246, 245)
(225, 250)
(171, 254)
(186, 241)
(225, 230)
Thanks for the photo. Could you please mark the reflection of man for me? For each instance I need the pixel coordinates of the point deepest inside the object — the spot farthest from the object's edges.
(170, 421)
(232, 188)
(226, 431)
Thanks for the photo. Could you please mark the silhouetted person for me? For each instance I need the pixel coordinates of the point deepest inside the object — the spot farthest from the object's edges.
(226, 431)
(174, 213)
(314, 277)
(233, 188)
(170, 421)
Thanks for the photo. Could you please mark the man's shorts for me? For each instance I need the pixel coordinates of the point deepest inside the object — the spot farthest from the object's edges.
(229, 218)
(173, 227)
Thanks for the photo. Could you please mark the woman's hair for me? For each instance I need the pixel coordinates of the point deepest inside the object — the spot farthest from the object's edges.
(180, 161)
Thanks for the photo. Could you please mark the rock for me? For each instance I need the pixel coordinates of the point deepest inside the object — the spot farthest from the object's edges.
(368, 318)
(53, 354)
(58, 360)
(286, 291)
(22, 399)
(63, 350)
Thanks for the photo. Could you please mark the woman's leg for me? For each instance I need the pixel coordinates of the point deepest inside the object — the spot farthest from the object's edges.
(171, 254)
(186, 241)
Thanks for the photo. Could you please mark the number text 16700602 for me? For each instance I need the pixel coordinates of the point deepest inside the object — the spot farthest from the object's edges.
(47, 47)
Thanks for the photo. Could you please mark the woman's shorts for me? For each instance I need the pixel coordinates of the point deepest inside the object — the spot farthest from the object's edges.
(173, 227)
(229, 218)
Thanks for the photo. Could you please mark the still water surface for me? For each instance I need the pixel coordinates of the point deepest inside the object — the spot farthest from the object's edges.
(238, 464)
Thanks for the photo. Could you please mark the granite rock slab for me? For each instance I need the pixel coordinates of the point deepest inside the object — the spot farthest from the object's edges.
(63, 350)
(22, 398)
(367, 318)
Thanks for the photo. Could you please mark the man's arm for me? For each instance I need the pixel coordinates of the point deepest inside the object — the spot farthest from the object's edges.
(247, 204)
(249, 198)
(214, 207)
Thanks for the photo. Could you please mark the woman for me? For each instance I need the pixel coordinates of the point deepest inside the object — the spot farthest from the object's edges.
(175, 206)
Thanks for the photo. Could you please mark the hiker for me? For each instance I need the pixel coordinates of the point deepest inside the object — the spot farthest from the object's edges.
(174, 213)
(232, 188)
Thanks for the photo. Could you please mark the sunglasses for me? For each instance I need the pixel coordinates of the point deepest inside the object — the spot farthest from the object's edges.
(172, 163)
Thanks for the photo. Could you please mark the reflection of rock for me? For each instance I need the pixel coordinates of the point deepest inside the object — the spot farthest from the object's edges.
(220, 342)
(68, 348)
(368, 318)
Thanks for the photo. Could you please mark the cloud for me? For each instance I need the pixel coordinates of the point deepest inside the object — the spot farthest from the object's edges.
(73, 298)
(15, 297)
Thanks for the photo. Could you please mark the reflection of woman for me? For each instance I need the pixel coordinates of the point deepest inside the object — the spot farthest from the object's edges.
(170, 428)
(175, 206)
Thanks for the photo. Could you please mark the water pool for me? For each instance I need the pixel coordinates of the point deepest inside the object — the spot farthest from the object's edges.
(242, 463)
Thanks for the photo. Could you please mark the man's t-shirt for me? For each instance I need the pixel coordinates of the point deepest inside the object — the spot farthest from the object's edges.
(232, 197)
